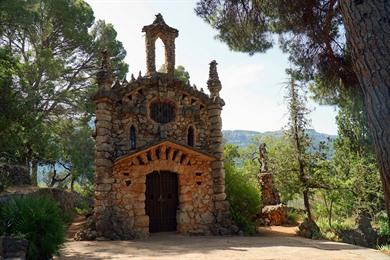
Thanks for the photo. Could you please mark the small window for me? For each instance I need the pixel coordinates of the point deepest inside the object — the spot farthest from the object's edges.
(190, 136)
(133, 138)
(162, 112)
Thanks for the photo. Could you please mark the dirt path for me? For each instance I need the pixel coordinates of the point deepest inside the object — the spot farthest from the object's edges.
(77, 223)
(271, 243)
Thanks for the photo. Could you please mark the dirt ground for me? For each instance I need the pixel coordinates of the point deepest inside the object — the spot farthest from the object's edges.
(271, 243)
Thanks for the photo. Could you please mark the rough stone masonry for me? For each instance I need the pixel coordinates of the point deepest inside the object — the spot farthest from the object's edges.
(153, 125)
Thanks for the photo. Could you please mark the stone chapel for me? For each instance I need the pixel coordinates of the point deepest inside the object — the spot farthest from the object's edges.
(159, 150)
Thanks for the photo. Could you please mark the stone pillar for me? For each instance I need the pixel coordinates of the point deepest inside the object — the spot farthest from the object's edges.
(104, 150)
(150, 54)
(170, 56)
(216, 147)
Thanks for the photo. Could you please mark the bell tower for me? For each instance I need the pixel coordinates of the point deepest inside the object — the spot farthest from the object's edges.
(159, 29)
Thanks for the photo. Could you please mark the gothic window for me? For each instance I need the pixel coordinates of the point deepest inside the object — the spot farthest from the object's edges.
(160, 56)
(133, 138)
(190, 136)
(162, 112)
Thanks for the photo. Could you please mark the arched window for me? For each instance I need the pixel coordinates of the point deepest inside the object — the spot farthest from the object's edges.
(190, 136)
(133, 138)
(160, 56)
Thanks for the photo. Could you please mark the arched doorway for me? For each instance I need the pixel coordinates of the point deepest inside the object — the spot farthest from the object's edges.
(161, 200)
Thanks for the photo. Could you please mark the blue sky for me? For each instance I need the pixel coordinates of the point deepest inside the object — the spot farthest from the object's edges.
(252, 86)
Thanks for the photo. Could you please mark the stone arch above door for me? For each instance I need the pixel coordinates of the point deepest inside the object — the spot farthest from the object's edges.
(166, 155)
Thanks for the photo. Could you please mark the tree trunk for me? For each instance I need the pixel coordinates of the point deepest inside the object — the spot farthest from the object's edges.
(330, 213)
(367, 24)
(34, 173)
(306, 202)
(72, 181)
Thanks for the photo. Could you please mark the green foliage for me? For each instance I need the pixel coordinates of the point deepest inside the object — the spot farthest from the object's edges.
(294, 216)
(38, 220)
(82, 207)
(180, 72)
(384, 229)
(14, 109)
(87, 190)
(53, 51)
(330, 232)
(242, 192)
(359, 188)
(244, 199)
(104, 38)
(76, 146)
(311, 32)
(283, 165)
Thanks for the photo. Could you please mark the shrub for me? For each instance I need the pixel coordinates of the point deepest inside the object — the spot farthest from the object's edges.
(384, 226)
(331, 232)
(82, 207)
(244, 198)
(37, 219)
(294, 216)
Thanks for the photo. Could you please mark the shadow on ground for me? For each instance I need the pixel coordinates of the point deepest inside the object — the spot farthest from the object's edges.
(173, 246)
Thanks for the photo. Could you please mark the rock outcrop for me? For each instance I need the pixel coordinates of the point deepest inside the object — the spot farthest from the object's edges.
(364, 235)
(309, 229)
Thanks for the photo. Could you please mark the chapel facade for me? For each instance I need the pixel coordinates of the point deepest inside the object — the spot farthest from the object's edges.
(159, 149)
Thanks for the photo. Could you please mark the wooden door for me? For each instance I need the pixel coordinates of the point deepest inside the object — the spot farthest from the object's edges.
(161, 200)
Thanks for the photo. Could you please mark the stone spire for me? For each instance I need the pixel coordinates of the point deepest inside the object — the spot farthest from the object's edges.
(213, 83)
(104, 77)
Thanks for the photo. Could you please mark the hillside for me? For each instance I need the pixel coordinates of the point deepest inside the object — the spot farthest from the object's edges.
(243, 137)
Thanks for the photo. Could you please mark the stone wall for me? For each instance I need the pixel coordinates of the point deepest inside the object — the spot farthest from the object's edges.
(13, 175)
(134, 110)
(65, 199)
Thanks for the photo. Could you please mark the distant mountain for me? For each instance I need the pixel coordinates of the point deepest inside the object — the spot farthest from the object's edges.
(243, 137)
